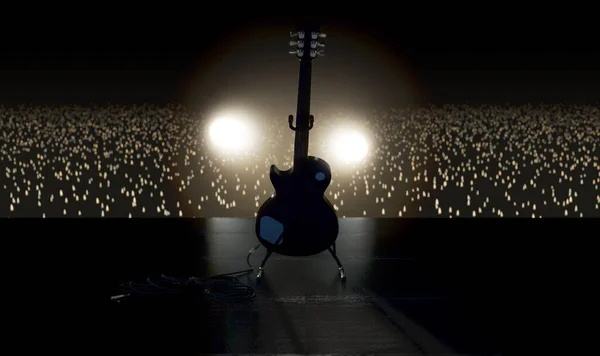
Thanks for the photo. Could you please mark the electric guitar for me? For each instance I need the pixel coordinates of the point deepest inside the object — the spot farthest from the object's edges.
(297, 219)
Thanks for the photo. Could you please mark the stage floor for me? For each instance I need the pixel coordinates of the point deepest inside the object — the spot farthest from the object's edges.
(302, 307)
(414, 286)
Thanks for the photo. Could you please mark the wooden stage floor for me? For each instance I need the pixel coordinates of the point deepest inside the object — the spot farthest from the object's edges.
(414, 286)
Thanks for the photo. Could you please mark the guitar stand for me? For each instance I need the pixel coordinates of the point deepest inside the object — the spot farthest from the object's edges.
(331, 250)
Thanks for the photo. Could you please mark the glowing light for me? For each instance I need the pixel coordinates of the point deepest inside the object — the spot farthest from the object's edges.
(232, 133)
(349, 146)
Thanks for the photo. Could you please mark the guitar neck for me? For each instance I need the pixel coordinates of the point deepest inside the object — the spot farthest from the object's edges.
(306, 48)
(303, 111)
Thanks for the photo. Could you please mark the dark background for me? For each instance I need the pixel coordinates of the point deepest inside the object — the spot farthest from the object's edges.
(149, 53)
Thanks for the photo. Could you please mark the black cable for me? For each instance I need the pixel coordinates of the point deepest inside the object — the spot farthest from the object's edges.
(222, 287)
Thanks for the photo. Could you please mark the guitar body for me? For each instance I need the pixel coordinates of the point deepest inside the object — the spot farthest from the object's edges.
(298, 220)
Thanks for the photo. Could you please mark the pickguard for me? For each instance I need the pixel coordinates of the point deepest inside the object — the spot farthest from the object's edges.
(271, 229)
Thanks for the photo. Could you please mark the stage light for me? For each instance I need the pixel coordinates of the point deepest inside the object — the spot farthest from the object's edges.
(232, 133)
(349, 146)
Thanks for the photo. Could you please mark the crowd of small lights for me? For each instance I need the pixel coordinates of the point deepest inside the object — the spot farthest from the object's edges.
(451, 161)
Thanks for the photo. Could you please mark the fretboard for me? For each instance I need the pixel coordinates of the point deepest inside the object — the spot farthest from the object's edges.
(303, 111)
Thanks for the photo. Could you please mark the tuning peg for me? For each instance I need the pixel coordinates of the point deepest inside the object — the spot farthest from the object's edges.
(314, 35)
(293, 34)
(293, 43)
(301, 35)
(315, 53)
(315, 44)
(300, 44)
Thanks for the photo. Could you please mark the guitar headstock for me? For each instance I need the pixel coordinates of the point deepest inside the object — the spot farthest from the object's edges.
(306, 43)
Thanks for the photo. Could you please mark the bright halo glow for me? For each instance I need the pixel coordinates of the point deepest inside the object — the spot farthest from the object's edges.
(232, 133)
(349, 146)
